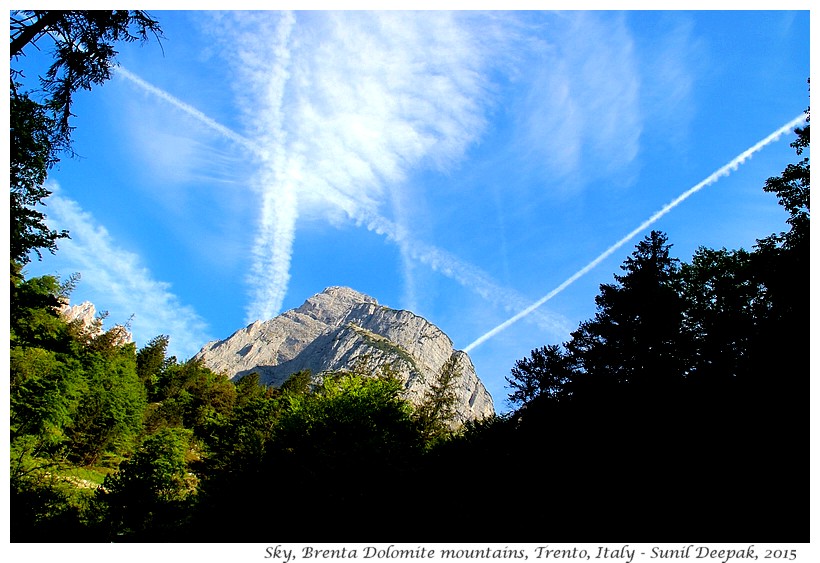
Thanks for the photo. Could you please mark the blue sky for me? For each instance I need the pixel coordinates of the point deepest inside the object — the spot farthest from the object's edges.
(461, 165)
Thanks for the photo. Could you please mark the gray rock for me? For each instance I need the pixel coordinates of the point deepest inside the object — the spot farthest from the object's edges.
(341, 329)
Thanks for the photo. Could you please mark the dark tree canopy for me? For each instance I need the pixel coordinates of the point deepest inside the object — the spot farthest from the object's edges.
(81, 44)
(636, 334)
(682, 363)
(544, 374)
(32, 155)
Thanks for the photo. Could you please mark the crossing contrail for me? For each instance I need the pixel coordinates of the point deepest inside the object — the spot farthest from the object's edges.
(725, 170)
(267, 256)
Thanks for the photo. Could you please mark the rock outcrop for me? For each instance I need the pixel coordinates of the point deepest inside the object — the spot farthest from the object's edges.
(341, 329)
(85, 314)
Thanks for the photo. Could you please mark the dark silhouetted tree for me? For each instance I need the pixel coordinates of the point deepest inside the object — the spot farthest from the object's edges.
(638, 335)
(32, 155)
(545, 373)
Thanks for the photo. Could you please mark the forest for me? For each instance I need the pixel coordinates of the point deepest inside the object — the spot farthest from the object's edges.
(679, 411)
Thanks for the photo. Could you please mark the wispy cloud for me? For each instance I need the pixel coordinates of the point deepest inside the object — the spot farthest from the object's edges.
(124, 286)
(583, 102)
(670, 65)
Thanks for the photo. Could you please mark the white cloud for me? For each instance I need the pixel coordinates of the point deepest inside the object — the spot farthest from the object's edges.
(123, 286)
(270, 269)
(340, 108)
(347, 104)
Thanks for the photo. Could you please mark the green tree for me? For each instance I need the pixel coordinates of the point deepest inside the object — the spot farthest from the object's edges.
(46, 390)
(351, 442)
(33, 316)
(151, 363)
(188, 394)
(109, 419)
(348, 422)
(248, 389)
(436, 413)
(298, 383)
(46, 380)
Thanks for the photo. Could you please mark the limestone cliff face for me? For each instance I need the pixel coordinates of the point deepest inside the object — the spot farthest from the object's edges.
(341, 329)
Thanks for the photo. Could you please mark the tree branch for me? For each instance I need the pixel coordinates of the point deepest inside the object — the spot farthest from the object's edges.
(28, 33)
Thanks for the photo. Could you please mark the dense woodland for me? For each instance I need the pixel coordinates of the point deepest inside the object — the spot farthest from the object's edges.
(679, 412)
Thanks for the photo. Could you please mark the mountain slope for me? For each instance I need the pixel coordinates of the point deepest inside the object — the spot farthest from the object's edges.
(341, 329)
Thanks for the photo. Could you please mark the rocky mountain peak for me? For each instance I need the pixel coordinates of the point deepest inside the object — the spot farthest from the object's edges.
(341, 329)
(332, 303)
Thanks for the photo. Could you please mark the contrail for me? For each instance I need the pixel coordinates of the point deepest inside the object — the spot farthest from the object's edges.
(437, 259)
(193, 112)
(274, 239)
(273, 246)
(725, 170)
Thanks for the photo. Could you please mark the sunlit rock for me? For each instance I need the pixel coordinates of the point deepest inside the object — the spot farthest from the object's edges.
(341, 329)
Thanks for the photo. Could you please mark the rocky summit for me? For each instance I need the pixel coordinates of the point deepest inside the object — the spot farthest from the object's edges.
(341, 329)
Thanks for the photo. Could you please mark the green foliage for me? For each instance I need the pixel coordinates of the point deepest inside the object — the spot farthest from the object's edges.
(151, 362)
(348, 420)
(109, 417)
(34, 320)
(188, 395)
(348, 442)
(73, 399)
(298, 383)
(45, 394)
(248, 389)
(236, 444)
(150, 494)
